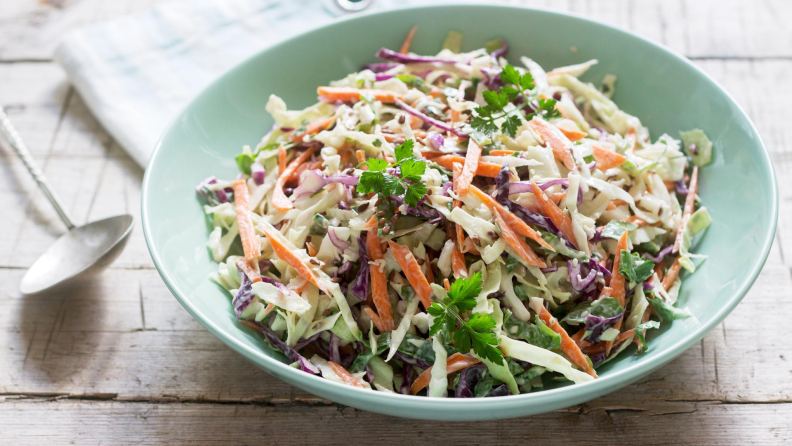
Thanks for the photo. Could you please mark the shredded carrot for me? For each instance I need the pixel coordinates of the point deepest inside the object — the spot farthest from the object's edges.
(607, 159)
(245, 267)
(617, 283)
(550, 209)
(279, 200)
(311, 249)
(460, 234)
(281, 160)
(573, 135)
(614, 204)
(558, 197)
(512, 220)
(361, 158)
(552, 136)
(348, 94)
(690, 203)
(672, 274)
(429, 273)
(458, 263)
(446, 284)
(313, 128)
(344, 375)
(469, 246)
(469, 170)
(568, 345)
(250, 241)
(498, 152)
(455, 363)
(379, 282)
(635, 219)
(378, 322)
(285, 253)
(431, 154)
(485, 169)
(406, 45)
(517, 244)
(298, 285)
(412, 270)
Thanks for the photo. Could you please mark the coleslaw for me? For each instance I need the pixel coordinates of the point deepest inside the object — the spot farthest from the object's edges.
(456, 226)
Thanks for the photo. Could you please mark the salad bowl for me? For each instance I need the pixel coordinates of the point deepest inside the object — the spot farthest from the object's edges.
(664, 89)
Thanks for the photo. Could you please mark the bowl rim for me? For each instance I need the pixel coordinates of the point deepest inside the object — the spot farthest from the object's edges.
(553, 398)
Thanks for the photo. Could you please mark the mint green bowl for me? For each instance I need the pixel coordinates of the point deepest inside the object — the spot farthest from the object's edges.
(664, 90)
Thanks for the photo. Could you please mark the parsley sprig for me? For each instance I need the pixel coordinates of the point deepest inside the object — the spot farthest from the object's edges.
(516, 85)
(476, 332)
(408, 182)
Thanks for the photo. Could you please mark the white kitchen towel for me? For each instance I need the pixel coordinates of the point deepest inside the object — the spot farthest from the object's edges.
(137, 73)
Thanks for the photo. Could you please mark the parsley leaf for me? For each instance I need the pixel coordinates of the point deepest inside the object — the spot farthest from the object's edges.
(511, 125)
(476, 332)
(405, 150)
(547, 109)
(635, 268)
(377, 179)
(463, 292)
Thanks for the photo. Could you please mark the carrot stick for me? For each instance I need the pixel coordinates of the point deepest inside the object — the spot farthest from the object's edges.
(573, 135)
(313, 127)
(251, 274)
(499, 152)
(344, 375)
(281, 159)
(690, 202)
(471, 166)
(279, 200)
(568, 345)
(550, 209)
(250, 241)
(485, 169)
(406, 45)
(517, 244)
(412, 271)
(561, 145)
(286, 254)
(617, 283)
(455, 363)
(458, 263)
(460, 234)
(429, 273)
(379, 282)
(672, 274)
(512, 220)
(378, 322)
(347, 94)
(607, 159)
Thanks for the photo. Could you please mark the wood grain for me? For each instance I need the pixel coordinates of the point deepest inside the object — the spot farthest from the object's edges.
(116, 359)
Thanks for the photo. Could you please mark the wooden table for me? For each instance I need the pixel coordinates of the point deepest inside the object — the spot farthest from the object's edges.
(119, 361)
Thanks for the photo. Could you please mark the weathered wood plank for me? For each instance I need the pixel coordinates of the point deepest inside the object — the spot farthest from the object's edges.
(732, 28)
(95, 422)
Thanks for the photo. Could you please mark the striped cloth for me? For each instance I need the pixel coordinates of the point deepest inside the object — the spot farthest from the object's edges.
(136, 74)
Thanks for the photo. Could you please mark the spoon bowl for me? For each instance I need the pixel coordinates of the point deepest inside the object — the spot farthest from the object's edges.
(90, 247)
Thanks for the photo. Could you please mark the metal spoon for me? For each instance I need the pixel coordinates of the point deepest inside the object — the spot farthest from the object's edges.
(353, 5)
(82, 249)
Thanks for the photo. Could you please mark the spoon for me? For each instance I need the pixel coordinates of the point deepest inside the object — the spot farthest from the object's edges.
(353, 5)
(85, 248)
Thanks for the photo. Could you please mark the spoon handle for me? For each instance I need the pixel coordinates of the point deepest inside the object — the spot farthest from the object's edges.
(16, 143)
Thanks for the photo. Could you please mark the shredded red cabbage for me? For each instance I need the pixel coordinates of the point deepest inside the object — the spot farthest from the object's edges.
(408, 376)
(550, 269)
(312, 181)
(681, 187)
(578, 283)
(393, 56)
(337, 242)
(257, 173)
(243, 296)
(360, 287)
(597, 325)
(439, 124)
(435, 140)
(660, 255)
(304, 364)
(468, 378)
(380, 67)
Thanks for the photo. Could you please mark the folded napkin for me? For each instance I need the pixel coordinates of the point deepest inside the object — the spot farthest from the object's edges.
(137, 73)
